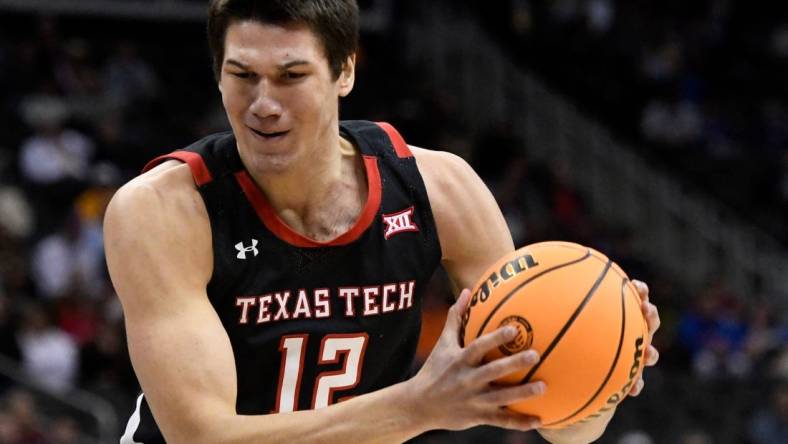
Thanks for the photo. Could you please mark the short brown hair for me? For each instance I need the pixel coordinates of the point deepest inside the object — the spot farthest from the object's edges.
(334, 22)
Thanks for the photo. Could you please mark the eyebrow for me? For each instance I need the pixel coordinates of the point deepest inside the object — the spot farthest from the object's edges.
(236, 63)
(293, 63)
(282, 67)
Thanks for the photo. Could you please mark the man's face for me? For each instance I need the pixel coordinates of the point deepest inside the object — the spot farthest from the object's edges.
(279, 93)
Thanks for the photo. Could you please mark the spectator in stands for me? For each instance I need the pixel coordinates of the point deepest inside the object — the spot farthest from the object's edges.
(10, 432)
(64, 430)
(769, 425)
(77, 76)
(16, 216)
(49, 355)
(53, 154)
(77, 316)
(55, 160)
(673, 121)
(71, 259)
(128, 78)
(714, 334)
(766, 338)
(14, 273)
(54, 262)
(24, 414)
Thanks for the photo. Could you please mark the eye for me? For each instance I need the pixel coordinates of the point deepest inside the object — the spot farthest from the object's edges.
(242, 75)
(291, 75)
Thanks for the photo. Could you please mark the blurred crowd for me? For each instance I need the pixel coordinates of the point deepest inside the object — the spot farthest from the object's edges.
(88, 101)
(699, 86)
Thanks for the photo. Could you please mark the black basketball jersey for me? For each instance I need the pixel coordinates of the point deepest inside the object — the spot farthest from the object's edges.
(312, 323)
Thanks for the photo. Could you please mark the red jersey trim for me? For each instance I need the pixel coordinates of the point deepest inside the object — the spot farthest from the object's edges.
(274, 224)
(402, 149)
(196, 164)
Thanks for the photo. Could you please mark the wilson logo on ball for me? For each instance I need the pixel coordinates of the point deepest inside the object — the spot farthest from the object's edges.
(616, 398)
(507, 271)
(524, 338)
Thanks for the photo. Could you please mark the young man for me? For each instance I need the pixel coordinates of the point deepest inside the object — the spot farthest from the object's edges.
(271, 277)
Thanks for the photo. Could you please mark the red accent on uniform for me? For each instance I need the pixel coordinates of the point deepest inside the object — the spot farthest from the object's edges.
(196, 164)
(402, 149)
(270, 219)
(343, 354)
(283, 351)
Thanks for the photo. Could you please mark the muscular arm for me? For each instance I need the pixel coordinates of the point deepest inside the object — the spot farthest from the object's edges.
(473, 235)
(159, 255)
(471, 228)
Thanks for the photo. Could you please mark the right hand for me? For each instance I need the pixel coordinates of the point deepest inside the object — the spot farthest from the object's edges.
(453, 389)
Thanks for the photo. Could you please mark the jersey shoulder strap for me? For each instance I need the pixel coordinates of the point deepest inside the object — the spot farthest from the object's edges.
(376, 138)
(209, 159)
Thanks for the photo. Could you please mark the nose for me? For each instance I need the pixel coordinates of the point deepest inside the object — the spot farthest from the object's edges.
(265, 104)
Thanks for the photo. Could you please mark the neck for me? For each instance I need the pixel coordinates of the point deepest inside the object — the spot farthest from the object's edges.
(332, 172)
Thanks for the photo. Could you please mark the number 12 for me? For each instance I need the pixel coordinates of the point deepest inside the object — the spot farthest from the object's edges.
(293, 348)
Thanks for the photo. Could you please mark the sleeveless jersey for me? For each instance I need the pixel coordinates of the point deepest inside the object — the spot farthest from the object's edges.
(312, 323)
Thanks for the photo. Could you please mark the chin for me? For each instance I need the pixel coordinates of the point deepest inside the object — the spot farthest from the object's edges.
(271, 163)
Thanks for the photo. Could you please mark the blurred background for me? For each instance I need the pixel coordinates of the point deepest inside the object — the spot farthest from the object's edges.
(656, 132)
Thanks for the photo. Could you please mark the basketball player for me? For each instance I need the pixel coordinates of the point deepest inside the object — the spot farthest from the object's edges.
(271, 277)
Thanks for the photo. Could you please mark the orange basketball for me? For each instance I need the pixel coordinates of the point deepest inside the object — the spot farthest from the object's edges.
(581, 313)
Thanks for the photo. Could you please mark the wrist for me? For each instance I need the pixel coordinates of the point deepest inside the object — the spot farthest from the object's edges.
(412, 407)
(579, 433)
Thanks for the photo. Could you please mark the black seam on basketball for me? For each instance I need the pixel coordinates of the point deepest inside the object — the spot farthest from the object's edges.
(615, 359)
(568, 323)
(523, 284)
(561, 244)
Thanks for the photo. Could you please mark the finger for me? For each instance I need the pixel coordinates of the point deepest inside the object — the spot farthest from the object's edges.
(637, 388)
(642, 289)
(652, 356)
(501, 396)
(451, 330)
(475, 351)
(651, 314)
(509, 364)
(509, 419)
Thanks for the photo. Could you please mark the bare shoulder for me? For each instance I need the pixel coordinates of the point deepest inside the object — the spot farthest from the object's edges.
(162, 202)
(168, 183)
(446, 175)
(434, 163)
(157, 234)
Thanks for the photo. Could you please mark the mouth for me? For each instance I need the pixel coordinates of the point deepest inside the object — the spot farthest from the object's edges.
(269, 135)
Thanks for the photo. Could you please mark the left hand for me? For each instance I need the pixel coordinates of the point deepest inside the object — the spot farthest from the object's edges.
(652, 319)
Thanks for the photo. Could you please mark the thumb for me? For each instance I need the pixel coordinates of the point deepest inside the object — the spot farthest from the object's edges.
(454, 319)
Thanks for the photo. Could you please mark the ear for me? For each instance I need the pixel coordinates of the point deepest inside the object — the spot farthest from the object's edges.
(347, 77)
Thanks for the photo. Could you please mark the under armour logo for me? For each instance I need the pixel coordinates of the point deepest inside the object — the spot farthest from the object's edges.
(399, 222)
(242, 250)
